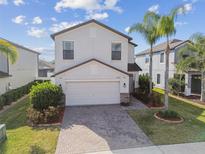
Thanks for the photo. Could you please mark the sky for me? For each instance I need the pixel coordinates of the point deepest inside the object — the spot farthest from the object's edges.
(31, 22)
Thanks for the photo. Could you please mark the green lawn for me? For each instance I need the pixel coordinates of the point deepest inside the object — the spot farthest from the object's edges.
(192, 130)
(23, 139)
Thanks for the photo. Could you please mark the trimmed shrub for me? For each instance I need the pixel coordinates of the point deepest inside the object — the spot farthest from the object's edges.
(15, 94)
(168, 114)
(44, 95)
(176, 85)
(156, 99)
(144, 83)
(142, 93)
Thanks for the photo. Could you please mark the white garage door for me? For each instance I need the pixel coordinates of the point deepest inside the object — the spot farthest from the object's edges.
(92, 93)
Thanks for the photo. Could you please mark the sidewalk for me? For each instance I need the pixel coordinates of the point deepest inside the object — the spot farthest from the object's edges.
(188, 148)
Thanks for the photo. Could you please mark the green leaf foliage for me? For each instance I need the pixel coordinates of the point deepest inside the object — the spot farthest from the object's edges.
(44, 95)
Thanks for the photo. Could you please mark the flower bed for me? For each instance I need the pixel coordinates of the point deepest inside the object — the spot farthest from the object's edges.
(169, 116)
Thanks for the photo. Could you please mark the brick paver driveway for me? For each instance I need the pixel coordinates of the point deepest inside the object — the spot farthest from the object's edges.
(98, 128)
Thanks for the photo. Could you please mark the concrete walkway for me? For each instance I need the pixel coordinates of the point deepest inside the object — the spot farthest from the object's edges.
(188, 148)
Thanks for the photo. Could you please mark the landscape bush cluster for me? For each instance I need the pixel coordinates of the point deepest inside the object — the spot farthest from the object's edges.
(142, 93)
(168, 114)
(15, 94)
(46, 100)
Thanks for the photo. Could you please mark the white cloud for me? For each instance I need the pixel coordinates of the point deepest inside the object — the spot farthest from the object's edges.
(37, 20)
(3, 2)
(127, 29)
(88, 5)
(186, 8)
(18, 2)
(180, 23)
(53, 19)
(37, 32)
(19, 19)
(98, 16)
(62, 25)
(154, 8)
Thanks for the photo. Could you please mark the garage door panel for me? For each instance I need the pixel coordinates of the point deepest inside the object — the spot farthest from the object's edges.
(92, 93)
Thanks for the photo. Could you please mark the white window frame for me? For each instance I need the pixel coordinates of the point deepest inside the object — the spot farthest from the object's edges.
(120, 51)
(160, 58)
(73, 49)
(159, 78)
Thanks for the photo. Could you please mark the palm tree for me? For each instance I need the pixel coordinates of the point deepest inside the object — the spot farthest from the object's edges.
(166, 28)
(148, 28)
(195, 60)
(8, 50)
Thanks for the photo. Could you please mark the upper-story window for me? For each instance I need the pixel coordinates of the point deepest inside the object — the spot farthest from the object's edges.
(146, 59)
(68, 50)
(162, 58)
(116, 51)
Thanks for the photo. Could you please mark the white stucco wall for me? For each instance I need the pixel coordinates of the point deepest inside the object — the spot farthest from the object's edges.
(90, 41)
(158, 68)
(22, 72)
(94, 71)
(3, 63)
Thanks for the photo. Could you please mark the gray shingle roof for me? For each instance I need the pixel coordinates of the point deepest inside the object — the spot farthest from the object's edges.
(20, 46)
(45, 65)
(162, 46)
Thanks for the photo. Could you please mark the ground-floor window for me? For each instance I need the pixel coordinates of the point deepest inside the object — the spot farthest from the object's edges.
(158, 78)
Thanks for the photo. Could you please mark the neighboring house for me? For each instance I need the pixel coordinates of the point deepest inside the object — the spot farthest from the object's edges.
(45, 69)
(192, 78)
(94, 64)
(22, 72)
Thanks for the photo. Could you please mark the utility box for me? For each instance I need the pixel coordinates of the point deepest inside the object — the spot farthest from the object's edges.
(2, 132)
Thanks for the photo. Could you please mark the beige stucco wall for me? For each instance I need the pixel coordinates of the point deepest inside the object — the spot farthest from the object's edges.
(90, 41)
(22, 72)
(94, 71)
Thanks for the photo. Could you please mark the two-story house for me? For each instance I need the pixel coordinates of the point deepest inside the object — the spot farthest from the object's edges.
(94, 64)
(20, 73)
(192, 78)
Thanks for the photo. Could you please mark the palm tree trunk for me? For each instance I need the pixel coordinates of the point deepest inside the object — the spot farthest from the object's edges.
(203, 86)
(150, 72)
(166, 77)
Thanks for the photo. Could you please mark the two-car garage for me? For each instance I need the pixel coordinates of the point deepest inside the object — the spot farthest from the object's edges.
(93, 83)
(92, 92)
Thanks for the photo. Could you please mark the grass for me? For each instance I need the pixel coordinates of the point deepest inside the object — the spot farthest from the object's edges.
(191, 130)
(161, 91)
(24, 139)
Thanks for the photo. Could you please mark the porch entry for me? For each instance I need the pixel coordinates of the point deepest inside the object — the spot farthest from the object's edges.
(196, 84)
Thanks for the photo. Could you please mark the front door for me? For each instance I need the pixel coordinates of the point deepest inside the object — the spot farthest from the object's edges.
(196, 84)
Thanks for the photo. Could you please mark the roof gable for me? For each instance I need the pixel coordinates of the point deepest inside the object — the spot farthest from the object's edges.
(78, 65)
(162, 46)
(20, 46)
(88, 22)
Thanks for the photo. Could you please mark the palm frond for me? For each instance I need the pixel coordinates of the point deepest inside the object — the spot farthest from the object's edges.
(8, 50)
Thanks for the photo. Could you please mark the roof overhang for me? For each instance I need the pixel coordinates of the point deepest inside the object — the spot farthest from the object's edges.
(133, 67)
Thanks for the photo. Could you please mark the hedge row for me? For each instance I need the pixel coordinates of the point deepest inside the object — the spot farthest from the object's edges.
(15, 94)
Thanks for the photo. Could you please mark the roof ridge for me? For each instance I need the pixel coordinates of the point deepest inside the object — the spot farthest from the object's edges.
(90, 21)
